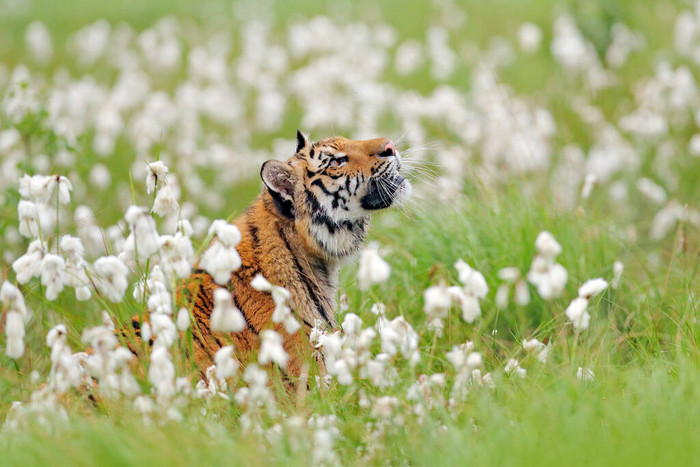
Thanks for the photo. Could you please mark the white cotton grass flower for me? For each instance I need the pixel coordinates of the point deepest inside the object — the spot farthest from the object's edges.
(513, 367)
(331, 344)
(257, 394)
(651, 190)
(143, 241)
(409, 57)
(280, 295)
(66, 368)
(548, 276)
(271, 349)
(161, 372)
(176, 255)
(352, 324)
(14, 332)
(437, 301)
(380, 372)
(522, 293)
(372, 268)
(588, 184)
(474, 360)
(53, 269)
(468, 303)
(512, 277)
(592, 287)
(665, 220)
(226, 365)
(15, 316)
(111, 277)
(472, 279)
(29, 264)
(183, 319)
(532, 345)
(185, 228)
(146, 333)
(28, 219)
(56, 338)
(159, 298)
(397, 336)
(378, 309)
(72, 249)
(577, 312)
(100, 176)
(100, 338)
(529, 37)
(37, 188)
(585, 374)
(214, 384)
(12, 298)
(166, 203)
(535, 346)
(107, 321)
(474, 288)
(694, 145)
(225, 317)
(156, 172)
(618, 268)
(384, 407)
(547, 245)
(467, 364)
(163, 329)
(38, 41)
(64, 188)
(221, 258)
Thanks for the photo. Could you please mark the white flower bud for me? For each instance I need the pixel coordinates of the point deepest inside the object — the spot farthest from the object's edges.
(226, 365)
(372, 269)
(271, 349)
(225, 317)
(183, 319)
(592, 287)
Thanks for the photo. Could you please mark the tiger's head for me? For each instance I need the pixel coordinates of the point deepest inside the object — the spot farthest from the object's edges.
(330, 187)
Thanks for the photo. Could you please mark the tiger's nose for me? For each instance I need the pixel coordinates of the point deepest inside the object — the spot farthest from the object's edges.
(389, 150)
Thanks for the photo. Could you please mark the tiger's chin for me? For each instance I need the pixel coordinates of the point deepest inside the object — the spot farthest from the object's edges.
(383, 194)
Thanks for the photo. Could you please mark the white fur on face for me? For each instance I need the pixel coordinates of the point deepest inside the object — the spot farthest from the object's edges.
(339, 219)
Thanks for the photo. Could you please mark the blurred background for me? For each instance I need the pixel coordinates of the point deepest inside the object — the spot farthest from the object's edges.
(560, 101)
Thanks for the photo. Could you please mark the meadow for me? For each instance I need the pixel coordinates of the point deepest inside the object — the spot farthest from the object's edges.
(542, 303)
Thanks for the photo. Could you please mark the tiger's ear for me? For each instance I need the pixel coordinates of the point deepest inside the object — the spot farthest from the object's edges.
(278, 177)
(302, 142)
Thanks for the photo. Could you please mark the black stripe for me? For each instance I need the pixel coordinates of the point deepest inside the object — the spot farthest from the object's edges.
(320, 184)
(197, 336)
(319, 215)
(245, 316)
(211, 333)
(253, 229)
(309, 286)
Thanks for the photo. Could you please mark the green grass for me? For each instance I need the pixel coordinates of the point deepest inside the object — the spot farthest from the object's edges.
(641, 409)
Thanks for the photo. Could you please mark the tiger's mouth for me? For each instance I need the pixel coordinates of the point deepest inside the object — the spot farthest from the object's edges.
(383, 192)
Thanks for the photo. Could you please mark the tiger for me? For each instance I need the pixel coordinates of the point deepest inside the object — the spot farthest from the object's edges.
(313, 213)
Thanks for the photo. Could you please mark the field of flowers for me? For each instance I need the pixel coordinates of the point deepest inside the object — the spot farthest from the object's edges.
(536, 301)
